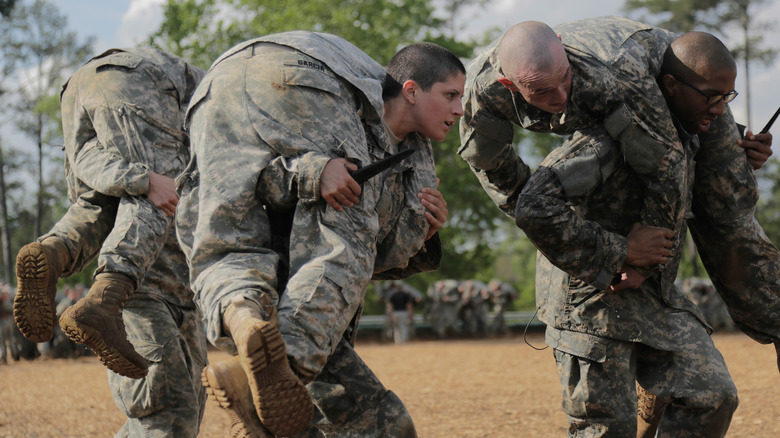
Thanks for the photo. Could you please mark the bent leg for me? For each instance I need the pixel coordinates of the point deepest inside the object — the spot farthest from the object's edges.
(351, 400)
(170, 400)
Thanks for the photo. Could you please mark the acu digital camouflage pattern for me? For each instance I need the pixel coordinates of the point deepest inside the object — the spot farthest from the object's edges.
(603, 340)
(613, 62)
(170, 400)
(123, 116)
(266, 118)
(743, 263)
(600, 396)
(580, 231)
(349, 397)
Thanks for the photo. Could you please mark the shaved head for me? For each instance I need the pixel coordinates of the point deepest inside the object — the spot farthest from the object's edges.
(697, 79)
(695, 55)
(528, 48)
(533, 62)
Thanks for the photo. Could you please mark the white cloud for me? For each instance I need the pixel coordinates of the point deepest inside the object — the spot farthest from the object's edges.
(141, 19)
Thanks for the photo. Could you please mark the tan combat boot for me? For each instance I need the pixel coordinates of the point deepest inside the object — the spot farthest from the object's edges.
(226, 384)
(282, 402)
(649, 412)
(96, 321)
(38, 268)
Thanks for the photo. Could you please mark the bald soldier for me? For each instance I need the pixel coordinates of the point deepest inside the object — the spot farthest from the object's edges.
(607, 77)
(577, 208)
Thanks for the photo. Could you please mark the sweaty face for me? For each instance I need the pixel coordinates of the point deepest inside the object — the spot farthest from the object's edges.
(437, 109)
(550, 92)
(546, 87)
(691, 106)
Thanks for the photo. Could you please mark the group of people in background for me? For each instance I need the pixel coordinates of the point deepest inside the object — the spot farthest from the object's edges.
(224, 203)
(469, 307)
(14, 346)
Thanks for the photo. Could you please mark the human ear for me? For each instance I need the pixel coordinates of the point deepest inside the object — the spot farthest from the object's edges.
(410, 91)
(669, 84)
(507, 83)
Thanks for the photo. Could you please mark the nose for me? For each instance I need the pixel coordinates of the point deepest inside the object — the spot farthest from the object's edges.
(458, 110)
(718, 109)
(561, 94)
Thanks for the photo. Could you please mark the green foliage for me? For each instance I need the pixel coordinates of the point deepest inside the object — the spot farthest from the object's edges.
(676, 15)
(201, 30)
(475, 236)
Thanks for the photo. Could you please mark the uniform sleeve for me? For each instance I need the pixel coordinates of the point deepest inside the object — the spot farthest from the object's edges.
(649, 142)
(109, 173)
(486, 145)
(286, 180)
(578, 246)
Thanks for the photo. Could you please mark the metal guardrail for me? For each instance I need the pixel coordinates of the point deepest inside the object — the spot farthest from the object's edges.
(513, 319)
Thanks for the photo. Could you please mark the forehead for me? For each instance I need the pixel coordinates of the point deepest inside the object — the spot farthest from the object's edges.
(547, 76)
(455, 80)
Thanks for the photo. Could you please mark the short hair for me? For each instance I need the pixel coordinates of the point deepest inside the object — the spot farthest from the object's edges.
(693, 51)
(425, 63)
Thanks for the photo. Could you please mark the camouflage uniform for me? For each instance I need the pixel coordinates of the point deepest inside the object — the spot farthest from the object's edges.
(444, 306)
(743, 264)
(7, 343)
(614, 62)
(502, 294)
(260, 141)
(577, 208)
(166, 328)
(116, 130)
(473, 312)
(702, 293)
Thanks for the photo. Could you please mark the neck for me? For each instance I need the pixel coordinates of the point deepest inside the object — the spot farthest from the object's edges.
(396, 111)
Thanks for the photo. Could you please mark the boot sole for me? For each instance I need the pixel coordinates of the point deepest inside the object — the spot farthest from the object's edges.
(93, 339)
(282, 402)
(232, 394)
(34, 308)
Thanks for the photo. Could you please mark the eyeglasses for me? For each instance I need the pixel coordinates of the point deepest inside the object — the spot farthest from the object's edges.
(712, 99)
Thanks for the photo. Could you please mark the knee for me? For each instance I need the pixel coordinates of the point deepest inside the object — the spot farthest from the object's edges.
(397, 420)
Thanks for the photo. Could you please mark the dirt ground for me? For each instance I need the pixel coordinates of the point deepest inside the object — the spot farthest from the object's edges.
(485, 388)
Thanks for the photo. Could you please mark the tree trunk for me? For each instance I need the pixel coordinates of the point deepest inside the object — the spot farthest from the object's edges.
(5, 232)
(39, 207)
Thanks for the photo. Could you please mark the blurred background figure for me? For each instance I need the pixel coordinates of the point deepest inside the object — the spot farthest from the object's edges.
(502, 294)
(62, 346)
(702, 292)
(7, 344)
(400, 299)
(473, 311)
(443, 305)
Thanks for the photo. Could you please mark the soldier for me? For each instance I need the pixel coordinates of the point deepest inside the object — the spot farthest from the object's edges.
(605, 338)
(123, 147)
(607, 76)
(7, 344)
(444, 306)
(502, 294)
(702, 292)
(473, 312)
(289, 108)
(123, 114)
(400, 301)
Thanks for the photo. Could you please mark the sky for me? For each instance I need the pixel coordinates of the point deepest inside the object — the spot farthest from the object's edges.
(123, 23)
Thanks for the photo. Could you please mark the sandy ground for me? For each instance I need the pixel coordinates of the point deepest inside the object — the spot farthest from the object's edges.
(486, 388)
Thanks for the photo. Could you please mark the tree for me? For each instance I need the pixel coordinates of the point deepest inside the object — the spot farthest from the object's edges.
(6, 6)
(48, 53)
(715, 16)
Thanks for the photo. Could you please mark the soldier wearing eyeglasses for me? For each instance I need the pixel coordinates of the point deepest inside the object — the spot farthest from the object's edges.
(604, 71)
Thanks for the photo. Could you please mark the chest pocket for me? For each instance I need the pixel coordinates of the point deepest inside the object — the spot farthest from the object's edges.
(393, 197)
